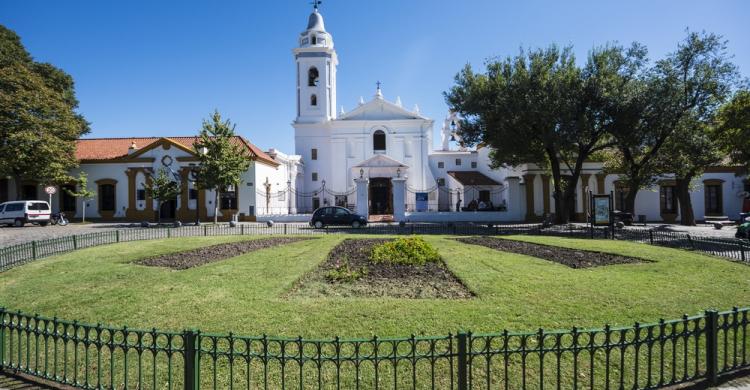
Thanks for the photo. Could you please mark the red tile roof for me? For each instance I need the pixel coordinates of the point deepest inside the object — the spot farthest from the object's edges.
(101, 149)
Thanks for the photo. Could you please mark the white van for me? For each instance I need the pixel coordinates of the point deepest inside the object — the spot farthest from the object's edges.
(19, 213)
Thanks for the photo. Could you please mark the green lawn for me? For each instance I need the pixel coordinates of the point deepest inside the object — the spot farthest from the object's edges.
(246, 294)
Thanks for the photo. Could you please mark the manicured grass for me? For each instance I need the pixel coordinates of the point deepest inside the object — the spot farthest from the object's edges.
(246, 294)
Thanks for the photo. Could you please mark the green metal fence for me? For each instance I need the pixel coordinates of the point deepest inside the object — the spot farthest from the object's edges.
(643, 356)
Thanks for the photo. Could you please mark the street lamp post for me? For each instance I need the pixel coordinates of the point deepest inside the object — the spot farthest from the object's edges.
(194, 182)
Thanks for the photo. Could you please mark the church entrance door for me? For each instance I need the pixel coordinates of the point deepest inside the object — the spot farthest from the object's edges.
(168, 210)
(381, 196)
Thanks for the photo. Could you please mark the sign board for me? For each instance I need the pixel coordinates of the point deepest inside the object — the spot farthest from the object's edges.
(602, 206)
(50, 190)
(422, 198)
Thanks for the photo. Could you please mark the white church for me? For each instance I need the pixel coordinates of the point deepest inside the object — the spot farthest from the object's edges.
(377, 160)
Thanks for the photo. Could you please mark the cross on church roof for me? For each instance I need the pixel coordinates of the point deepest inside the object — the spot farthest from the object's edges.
(316, 3)
(378, 84)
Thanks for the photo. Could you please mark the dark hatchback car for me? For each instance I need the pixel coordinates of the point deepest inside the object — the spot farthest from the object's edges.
(336, 216)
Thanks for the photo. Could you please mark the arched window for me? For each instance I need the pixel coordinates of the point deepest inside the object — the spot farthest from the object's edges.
(312, 77)
(378, 140)
(314, 100)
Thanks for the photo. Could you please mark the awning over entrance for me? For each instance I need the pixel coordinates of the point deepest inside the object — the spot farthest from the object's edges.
(472, 178)
(381, 165)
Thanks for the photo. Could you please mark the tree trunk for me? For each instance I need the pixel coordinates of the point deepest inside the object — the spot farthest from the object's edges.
(158, 211)
(83, 210)
(561, 213)
(17, 180)
(682, 186)
(216, 206)
(630, 200)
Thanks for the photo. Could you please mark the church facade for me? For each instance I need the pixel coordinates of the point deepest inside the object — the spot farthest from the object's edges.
(377, 159)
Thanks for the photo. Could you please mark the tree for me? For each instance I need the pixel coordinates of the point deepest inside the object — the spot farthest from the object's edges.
(686, 156)
(162, 188)
(39, 124)
(647, 119)
(733, 128)
(705, 78)
(83, 192)
(222, 162)
(541, 108)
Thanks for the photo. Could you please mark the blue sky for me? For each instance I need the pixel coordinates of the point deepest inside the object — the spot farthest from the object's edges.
(156, 68)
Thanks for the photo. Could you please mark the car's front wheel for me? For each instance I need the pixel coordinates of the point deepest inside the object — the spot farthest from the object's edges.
(356, 224)
(318, 224)
(18, 222)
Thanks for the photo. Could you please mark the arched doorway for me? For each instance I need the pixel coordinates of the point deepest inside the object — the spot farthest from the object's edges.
(168, 210)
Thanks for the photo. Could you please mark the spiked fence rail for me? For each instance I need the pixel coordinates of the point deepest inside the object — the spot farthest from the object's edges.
(646, 356)
(15, 255)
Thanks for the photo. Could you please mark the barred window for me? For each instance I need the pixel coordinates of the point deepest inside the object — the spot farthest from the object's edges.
(668, 200)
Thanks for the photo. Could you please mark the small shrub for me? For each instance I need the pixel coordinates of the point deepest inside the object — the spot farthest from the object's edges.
(408, 251)
(343, 272)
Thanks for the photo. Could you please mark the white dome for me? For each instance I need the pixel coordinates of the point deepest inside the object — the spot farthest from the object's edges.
(315, 22)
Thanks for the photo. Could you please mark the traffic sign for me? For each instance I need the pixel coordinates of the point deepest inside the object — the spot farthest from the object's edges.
(50, 190)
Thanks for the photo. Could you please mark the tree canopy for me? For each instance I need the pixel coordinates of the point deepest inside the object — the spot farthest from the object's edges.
(39, 123)
(541, 107)
(222, 162)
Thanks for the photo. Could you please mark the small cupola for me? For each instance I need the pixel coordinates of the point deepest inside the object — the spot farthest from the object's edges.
(133, 148)
(316, 35)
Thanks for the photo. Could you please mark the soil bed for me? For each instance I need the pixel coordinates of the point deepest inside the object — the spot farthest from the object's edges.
(572, 258)
(213, 253)
(432, 280)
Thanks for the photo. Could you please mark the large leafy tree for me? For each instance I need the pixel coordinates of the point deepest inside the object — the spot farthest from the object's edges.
(38, 120)
(163, 187)
(705, 78)
(542, 108)
(222, 161)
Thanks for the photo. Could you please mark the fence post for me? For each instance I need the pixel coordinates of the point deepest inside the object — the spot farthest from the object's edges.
(192, 359)
(2, 337)
(463, 375)
(33, 249)
(742, 251)
(75, 242)
(205, 230)
(285, 229)
(690, 239)
(651, 237)
(712, 348)
(117, 234)
(242, 230)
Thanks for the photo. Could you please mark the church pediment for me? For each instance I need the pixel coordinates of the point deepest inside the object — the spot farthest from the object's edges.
(380, 109)
(380, 161)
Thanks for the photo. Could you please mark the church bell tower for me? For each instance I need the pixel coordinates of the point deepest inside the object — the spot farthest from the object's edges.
(316, 72)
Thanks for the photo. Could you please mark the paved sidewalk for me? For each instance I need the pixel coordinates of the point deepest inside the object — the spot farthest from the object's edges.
(12, 235)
